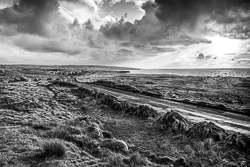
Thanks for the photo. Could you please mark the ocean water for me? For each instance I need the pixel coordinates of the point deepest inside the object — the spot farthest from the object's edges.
(242, 72)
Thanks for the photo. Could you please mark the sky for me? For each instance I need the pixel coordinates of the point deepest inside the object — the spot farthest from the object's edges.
(129, 33)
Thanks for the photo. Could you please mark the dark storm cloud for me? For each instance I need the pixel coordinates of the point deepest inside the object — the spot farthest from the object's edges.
(120, 30)
(148, 30)
(184, 21)
(186, 12)
(33, 26)
(29, 16)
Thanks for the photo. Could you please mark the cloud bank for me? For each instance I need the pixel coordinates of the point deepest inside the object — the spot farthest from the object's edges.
(170, 34)
(30, 16)
(190, 14)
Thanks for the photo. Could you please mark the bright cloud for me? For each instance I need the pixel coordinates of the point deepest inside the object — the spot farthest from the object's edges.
(78, 32)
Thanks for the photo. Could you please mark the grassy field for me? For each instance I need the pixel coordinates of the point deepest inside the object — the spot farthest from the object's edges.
(46, 120)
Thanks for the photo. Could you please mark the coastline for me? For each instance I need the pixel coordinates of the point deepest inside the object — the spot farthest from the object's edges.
(199, 72)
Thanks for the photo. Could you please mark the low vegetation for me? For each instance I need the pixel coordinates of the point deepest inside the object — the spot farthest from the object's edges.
(52, 149)
(63, 124)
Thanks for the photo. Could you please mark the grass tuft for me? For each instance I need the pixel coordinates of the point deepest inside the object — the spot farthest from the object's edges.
(115, 161)
(52, 149)
(136, 160)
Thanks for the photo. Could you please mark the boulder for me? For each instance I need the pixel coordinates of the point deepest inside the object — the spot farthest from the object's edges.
(173, 121)
(204, 130)
(146, 111)
(116, 105)
(108, 100)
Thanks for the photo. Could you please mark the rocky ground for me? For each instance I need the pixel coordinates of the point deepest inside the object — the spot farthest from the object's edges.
(226, 93)
(45, 120)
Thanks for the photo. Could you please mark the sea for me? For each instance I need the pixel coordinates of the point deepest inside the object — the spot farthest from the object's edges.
(232, 72)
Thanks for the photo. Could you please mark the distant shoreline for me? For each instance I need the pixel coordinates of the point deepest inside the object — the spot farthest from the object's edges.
(233, 72)
(122, 67)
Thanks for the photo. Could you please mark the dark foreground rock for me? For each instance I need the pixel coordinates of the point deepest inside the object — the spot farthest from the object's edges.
(173, 122)
(205, 130)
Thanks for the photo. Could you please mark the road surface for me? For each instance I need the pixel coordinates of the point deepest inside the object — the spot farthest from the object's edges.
(224, 119)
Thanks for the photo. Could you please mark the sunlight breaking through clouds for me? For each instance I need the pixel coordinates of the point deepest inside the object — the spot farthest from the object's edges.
(80, 29)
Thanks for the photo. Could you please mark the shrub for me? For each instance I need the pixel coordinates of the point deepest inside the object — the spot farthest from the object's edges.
(52, 149)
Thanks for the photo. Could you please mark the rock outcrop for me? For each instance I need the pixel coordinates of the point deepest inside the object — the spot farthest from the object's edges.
(204, 130)
(173, 122)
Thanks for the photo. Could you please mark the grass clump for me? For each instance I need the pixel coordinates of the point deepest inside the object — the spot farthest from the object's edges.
(115, 161)
(40, 126)
(52, 149)
(136, 160)
(58, 133)
(62, 132)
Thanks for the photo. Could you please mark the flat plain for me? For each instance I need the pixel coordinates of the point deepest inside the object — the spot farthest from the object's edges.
(49, 118)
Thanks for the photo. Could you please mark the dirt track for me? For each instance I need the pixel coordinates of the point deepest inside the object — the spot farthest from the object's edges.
(227, 120)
